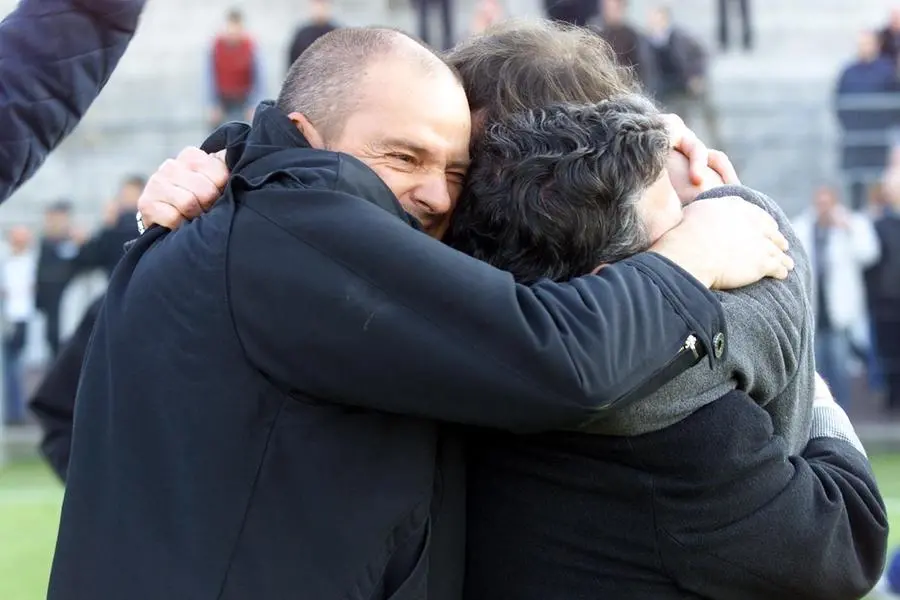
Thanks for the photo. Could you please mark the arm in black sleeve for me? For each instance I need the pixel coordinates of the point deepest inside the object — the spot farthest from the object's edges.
(55, 57)
(345, 303)
(54, 401)
(747, 521)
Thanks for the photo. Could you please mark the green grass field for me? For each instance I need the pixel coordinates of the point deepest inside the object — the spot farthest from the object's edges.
(29, 512)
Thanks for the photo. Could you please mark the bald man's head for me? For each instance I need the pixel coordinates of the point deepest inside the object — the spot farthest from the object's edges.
(336, 73)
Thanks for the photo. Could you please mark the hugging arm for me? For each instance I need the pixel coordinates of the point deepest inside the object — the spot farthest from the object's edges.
(811, 526)
(56, 57)
(365, 311)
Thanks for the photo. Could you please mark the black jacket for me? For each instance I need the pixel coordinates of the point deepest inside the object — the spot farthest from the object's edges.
(53, 402)
(228, 440)
(56, 57)
(711, 507)
(54, 272)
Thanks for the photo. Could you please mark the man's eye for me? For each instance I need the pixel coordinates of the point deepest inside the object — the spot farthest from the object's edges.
(407, 158)
(458, 178)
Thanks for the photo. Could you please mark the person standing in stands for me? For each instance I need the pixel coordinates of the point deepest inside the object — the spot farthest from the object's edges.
(576, 12)
(424, 14)
(841, 244)
(889, 36)
(321, 22)
(725, 7)
(58, 249)
(682, 68)
(487, 14)
(865, 115)
(631, 47)
(107, 246)
(235, 76)
(883, 288)
(18, 308)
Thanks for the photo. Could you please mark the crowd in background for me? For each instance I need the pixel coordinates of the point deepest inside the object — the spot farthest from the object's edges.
(854, 246)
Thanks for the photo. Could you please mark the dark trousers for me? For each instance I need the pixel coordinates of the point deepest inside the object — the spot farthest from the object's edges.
(746, 29)
(13, 395)
(446, 8)
(888, 340)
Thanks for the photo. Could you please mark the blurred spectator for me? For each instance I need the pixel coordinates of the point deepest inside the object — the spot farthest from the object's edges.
(104, 250)
(576, 12)
(57, 251)
(841, 245)
(630, 46)
(889, 37)
(746, 25)
(682, 72)
(320, 22)
(446, 9)
(235, 75)
(866, 114)
(487, 13)
(18, 310)
(883, 288)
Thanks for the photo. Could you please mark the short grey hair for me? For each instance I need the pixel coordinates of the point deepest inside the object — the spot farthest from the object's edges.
(554, 192)
(323, 83)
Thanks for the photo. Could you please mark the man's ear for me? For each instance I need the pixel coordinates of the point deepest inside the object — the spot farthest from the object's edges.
(308, 130)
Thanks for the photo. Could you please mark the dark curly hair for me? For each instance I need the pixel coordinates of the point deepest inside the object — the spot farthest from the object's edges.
(553, 192)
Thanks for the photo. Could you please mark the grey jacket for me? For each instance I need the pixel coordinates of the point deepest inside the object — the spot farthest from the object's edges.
(769, 352)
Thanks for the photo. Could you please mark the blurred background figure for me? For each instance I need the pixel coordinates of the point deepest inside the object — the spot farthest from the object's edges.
(18, 311)
(883, 289)
(866, 97)
(487, 13)
(321, 21)
(725, 15)
(681, 63)
(235, 73)
(445, 10)
(576, 12)
(841, 244)
(889, 37)
(106, 247)
(58, 248)
(630, 45)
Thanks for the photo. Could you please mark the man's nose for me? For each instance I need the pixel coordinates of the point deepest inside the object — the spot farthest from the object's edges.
(433, 196)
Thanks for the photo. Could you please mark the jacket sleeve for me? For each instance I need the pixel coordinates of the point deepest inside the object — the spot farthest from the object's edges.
(812, 526)
(55, 57)
(54, 401)
(348, 304)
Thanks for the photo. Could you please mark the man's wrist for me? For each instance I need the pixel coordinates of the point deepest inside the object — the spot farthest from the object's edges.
(688, 260)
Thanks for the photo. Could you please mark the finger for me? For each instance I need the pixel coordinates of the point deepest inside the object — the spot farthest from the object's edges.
(780, 241)
(162, 214)
(203, 191)
(721, 164)
(211, 166)
(686, 141)
(189, 191)
(775, 268)
(788, 262)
